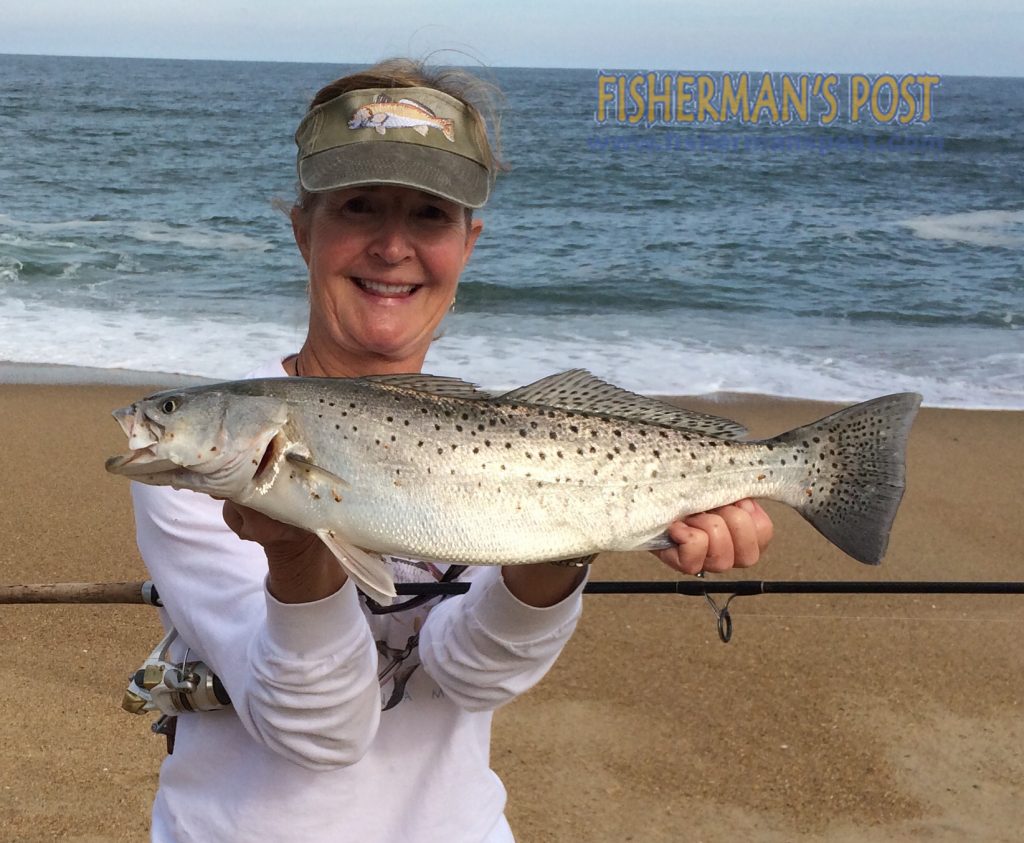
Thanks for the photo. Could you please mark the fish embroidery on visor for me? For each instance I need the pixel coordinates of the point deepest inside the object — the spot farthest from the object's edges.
(385, 113)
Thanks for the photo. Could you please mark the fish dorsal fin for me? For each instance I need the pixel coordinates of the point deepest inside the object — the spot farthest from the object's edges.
(420, 106)
(579, 390)
(382, 98)
(434, 384)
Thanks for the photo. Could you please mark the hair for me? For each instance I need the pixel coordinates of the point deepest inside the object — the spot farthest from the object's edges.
(480, 97)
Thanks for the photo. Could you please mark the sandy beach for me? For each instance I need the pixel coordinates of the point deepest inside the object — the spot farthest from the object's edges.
(853, 718)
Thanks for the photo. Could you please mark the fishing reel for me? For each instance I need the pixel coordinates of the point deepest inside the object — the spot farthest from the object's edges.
(172, 689)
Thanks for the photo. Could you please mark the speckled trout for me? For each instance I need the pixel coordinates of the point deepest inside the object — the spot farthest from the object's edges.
(432, 468)
(385, 113)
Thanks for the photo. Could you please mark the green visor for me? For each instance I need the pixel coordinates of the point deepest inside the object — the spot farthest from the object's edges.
(413, 137)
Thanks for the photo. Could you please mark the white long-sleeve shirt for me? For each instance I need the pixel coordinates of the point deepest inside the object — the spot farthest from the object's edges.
(306, 752)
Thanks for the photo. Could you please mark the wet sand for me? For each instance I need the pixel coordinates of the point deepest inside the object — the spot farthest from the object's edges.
(827, 718)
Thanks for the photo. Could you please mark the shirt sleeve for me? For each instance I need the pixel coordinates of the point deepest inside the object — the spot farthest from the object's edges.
(486, 647)
(302, 677)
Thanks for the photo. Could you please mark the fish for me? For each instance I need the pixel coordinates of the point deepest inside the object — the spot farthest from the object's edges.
(433, 468)
(385, 113)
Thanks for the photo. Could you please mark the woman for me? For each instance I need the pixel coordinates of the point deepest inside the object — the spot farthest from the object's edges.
(350, 722)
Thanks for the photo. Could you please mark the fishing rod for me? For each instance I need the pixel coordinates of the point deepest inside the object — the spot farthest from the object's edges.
(176, 687)
(145, 592)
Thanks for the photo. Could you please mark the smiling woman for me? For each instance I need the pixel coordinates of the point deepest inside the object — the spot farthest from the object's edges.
(349, 721)
(384, 262)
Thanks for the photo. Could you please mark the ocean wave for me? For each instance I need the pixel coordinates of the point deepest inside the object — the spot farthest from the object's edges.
(977, 228)
(10, 269)
(504, 352)
(38, 332)
(191, 237)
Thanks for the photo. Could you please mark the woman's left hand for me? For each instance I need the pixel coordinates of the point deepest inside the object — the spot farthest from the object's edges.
(730, 536)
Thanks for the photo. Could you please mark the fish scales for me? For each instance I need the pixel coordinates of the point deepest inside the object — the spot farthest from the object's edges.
(454, 475)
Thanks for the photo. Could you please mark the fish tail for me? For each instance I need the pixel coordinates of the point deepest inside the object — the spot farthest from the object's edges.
(856, 472)
(447, 128)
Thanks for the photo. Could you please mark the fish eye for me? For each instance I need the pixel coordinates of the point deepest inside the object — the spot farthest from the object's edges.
(169, 406)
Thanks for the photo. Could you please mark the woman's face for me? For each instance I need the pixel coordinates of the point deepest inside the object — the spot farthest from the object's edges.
(384, 262)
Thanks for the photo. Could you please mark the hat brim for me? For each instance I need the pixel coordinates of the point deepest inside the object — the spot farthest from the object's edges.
(445, 174)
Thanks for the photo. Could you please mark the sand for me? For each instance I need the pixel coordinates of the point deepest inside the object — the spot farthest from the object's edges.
(855, 718)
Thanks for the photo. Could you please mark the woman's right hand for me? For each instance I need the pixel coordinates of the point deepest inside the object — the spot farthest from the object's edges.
(301, 568)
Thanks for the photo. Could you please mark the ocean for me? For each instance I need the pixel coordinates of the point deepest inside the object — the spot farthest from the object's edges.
(138, 233)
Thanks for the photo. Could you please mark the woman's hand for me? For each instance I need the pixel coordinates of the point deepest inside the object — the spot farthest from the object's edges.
(301, 568)
(730, 536)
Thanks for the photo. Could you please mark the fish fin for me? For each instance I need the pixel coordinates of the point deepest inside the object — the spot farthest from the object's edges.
(367, 569)
(448, 129)
(434, 384)
(862, 455)
(420, 129)
(658, 542)
(379, 128)
(314, 473)
(420, 106)
(382, 98)
(579, 390)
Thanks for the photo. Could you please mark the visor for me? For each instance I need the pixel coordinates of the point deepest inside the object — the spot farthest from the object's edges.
(412, 137)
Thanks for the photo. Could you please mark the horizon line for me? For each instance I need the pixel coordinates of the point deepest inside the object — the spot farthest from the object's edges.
(367, 63)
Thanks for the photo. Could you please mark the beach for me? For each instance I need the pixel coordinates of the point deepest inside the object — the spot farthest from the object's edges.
(826, 718)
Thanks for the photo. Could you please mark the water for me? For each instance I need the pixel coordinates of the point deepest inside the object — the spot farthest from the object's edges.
(137, 231)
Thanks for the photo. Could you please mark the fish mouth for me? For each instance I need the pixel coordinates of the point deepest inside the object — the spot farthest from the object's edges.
(385, 289)
(139, 462)
(143, 436)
